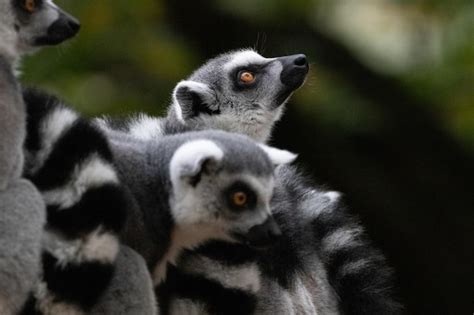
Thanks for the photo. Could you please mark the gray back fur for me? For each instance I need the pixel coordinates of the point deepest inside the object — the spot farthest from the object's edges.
(22, 213)
(131, 289)
(9, 38)
(22, 209)
(22, 217)
(12, 122)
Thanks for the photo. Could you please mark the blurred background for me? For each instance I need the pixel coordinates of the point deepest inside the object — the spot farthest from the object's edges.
(386, 117)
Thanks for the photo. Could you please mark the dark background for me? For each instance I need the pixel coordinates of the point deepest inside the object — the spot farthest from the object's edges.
(386, 117)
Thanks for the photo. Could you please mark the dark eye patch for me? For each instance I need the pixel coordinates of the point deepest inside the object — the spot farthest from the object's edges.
(21, 11)
(239, 187)
(256, 69)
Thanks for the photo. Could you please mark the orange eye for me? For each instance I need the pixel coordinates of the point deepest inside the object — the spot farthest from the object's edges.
(239, 198)
(30, 5)
(247, 77)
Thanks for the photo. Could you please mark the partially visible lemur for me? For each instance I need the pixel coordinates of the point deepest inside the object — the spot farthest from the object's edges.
(25, 25)
(21, 206)
(69, 161)
(324, 262)
(85, 269)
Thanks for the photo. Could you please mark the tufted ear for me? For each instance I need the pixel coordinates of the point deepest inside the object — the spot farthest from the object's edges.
(191, 99)
(277, 156)
(192, 159)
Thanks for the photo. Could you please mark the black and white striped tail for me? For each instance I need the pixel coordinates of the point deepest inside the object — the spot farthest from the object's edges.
(70, 162)
(356, 270)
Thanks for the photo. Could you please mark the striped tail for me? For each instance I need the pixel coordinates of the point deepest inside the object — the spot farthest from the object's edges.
(356, 270)
(70, 162)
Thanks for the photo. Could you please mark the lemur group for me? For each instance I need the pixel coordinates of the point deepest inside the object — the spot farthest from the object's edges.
(190, 213)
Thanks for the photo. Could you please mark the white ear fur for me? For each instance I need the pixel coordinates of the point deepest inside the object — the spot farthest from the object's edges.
(197, 87)
(188, 160)
(278, 156)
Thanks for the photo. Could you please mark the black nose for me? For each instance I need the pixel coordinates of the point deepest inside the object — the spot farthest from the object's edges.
(263, 235)
(295, 69)
(65, 27)
(73, 25)
(300, 61)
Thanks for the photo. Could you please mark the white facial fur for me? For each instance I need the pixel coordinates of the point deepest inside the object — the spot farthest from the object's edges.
(244, 58)
(187, 162)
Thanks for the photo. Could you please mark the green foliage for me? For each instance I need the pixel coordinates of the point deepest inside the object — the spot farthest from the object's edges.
(125, 59)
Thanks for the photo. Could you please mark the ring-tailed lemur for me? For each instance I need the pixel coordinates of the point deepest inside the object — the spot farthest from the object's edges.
(244, 92)
(195, 187)
(24, 26)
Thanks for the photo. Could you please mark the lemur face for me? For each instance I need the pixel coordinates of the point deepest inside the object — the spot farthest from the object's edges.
(39, 23)
(224, 193)
(239, 92)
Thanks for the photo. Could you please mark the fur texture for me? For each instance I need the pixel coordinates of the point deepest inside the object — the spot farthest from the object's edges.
(131, 289)
(9, 45)
(21, 222)
(12, 120)
(21, 207)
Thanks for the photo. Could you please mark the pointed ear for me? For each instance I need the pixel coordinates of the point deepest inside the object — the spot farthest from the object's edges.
(277, 156)
(192, 159)
(191, 99)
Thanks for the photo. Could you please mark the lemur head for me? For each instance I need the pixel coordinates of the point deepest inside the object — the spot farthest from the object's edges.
(29, 24)
(221, 189)
(240, 92)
